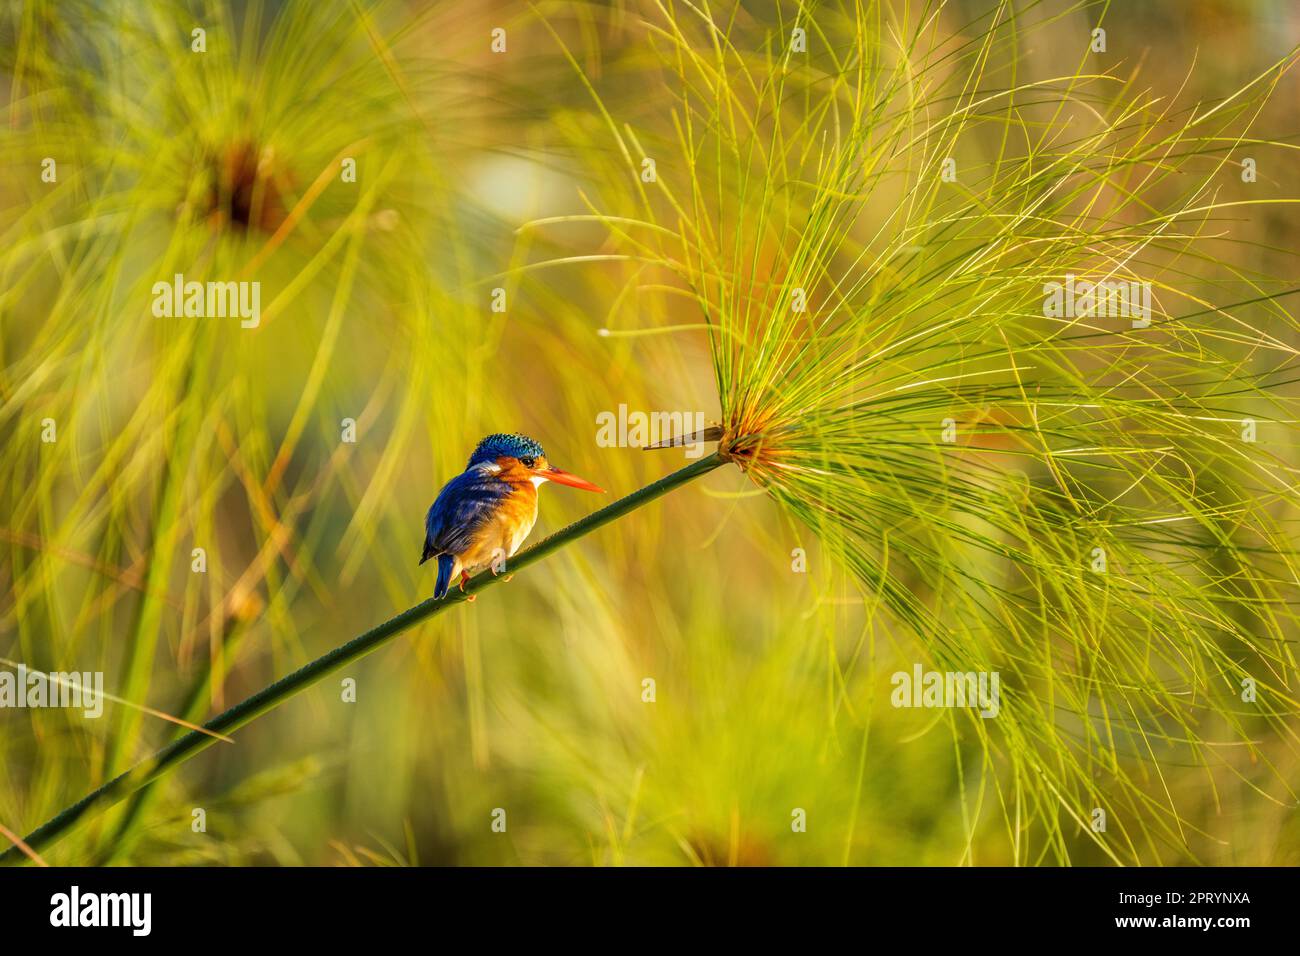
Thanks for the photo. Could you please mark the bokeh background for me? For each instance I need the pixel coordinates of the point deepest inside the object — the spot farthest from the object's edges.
(771, 685)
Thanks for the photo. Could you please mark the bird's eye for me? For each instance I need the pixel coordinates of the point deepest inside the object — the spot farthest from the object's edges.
(528, 462)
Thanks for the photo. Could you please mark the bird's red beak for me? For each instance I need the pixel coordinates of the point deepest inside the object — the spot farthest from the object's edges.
(564, 478)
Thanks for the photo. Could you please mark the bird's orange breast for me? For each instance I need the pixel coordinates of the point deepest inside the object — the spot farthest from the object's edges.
(520, 506)
(502, 532)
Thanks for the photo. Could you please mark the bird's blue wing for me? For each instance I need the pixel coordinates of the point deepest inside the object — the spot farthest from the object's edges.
(462, 505)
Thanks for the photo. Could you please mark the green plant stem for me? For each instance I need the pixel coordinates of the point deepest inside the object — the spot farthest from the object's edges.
(273, 695)
(125, 835)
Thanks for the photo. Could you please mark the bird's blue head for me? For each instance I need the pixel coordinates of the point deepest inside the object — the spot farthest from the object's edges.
(531, 461)
(506, 446)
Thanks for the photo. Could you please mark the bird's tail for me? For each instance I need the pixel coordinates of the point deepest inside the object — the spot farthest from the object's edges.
(446, 563)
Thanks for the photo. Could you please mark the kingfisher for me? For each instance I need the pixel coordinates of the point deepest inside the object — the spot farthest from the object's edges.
(484, 514)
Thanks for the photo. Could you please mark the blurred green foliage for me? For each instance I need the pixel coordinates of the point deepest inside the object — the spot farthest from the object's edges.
(480, 171)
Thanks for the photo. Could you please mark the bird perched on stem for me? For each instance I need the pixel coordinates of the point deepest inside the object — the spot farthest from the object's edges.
(483, 515)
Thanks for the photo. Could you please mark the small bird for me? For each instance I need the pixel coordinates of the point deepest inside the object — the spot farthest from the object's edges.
(484, 514)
